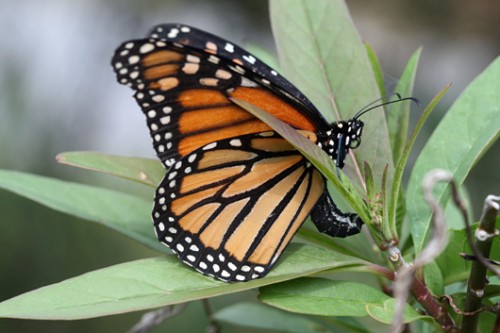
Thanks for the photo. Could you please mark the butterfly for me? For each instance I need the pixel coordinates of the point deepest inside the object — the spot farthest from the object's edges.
(235, 191)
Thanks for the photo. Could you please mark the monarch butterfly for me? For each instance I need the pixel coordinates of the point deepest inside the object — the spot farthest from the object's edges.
(235, 191)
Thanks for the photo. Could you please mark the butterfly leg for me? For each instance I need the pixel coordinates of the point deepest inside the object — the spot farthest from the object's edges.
(331, 221)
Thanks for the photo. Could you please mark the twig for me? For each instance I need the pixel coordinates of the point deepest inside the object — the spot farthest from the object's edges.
(455, 307)
(152, 319)
(485, 233)
(481, 249)
(213, 325)
(405, 279)
(496, 328)
(472, 257)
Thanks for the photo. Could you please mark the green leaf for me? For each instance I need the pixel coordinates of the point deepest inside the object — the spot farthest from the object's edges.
(124, 213)
(261, 317)
(314, 154)
(487, 322)
(468, 129)
(322, 53)
(142, 170)
(400, 166)
(371, 191)
(152, 283)
(454, 216)
(348, 246)
(264, 55)
(323, 297)
(398, 114)
(433, 278)
(377, 69)
(453, 267)
(492, 290)
(385, 313)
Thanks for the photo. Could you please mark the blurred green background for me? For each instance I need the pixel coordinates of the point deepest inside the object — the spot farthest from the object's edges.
(58, 93)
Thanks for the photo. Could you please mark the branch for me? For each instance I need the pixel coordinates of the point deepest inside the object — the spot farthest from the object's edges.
(481, 249)
(406, 280)
(154, 318)
(213, 325)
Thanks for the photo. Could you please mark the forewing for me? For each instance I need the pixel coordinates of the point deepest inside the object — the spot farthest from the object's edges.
(183, 79)
(244, 62)
(231, 207)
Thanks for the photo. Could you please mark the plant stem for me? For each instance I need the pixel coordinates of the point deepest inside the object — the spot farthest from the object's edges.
(477, 279)
(154, 318)
(432, 307)
(424, 297)
(496, 328)
(406, 279)
(213, 325)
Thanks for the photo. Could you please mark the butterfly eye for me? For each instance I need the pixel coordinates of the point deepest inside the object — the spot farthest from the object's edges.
(355, 142)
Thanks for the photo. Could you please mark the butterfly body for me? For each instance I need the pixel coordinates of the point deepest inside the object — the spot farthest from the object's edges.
(235, 191)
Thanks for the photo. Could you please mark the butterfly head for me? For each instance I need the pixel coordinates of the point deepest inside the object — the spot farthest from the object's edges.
(346, 135)
(343, 136)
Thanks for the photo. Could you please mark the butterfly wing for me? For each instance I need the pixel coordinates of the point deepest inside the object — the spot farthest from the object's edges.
(236, 192)
(183, 79)
(241, 60)
(231, 207)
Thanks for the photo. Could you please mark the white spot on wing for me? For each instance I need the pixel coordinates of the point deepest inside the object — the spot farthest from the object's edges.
(213, 59)
(210, 146)
(158, 98)
(192, 58)
(249, 58)
(223, 74)
(235, 142)
(148, 47)
(173, 33)
(247, 83)
(229, 47)
(133, 59)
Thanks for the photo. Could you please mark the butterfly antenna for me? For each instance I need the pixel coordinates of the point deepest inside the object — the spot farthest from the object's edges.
(378, 100)
(370, 106)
